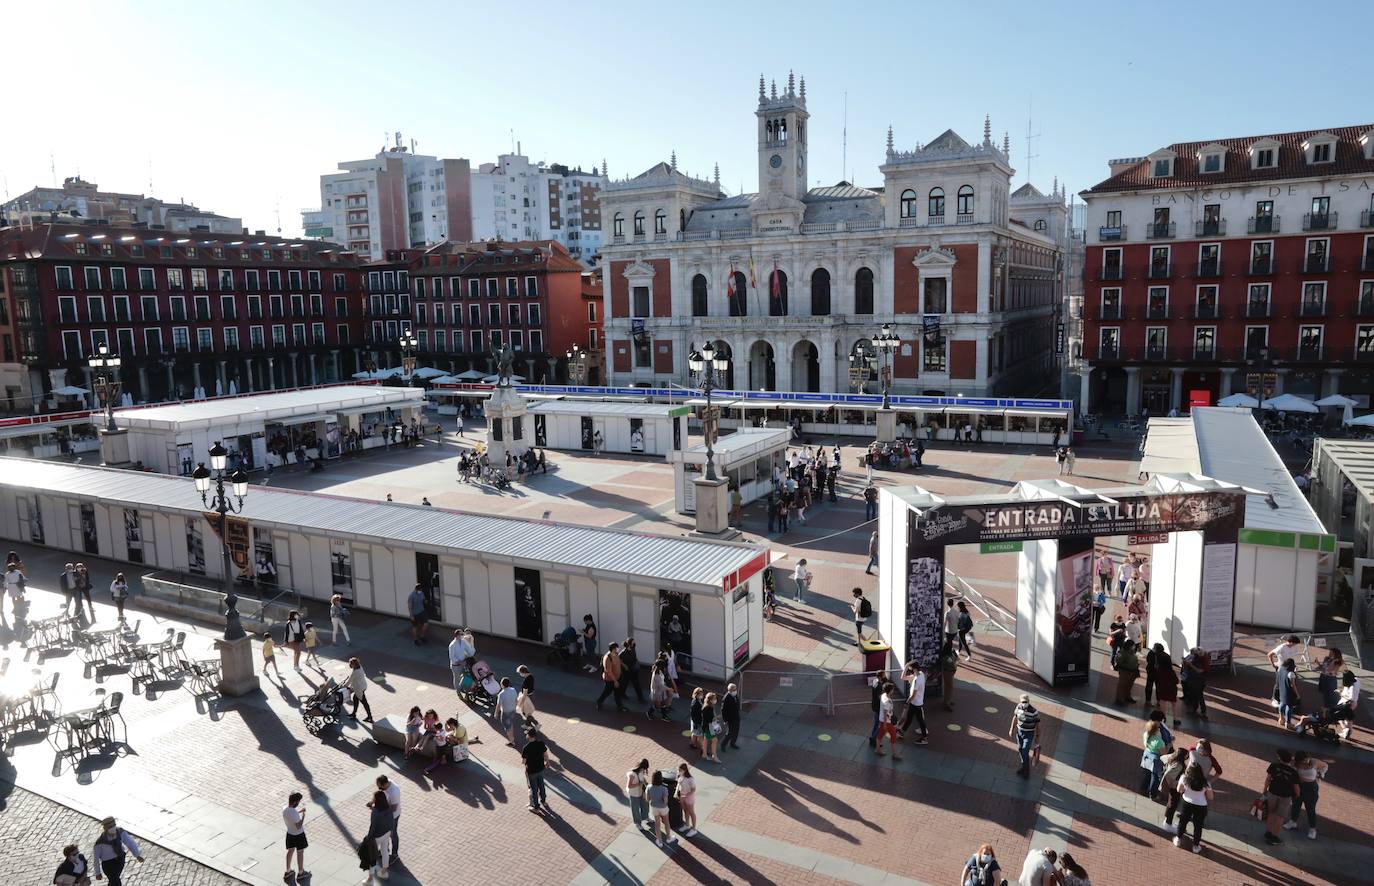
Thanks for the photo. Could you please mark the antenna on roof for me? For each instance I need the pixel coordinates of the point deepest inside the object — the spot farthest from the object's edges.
(52, 165)
(844, 140)
(150, 174)
(1030, 135)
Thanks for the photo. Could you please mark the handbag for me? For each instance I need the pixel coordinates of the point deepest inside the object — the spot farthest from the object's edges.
(716, 727)
(1259, 809)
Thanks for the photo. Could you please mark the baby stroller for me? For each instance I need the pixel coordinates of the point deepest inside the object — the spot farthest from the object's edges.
(322, 707)
(479, 686)
(1322, 726)
(564, 650)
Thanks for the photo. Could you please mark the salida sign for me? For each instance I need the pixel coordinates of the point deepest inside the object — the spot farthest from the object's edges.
(1182, 512)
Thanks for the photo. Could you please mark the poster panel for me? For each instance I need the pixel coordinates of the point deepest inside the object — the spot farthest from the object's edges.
(1216, 607)
(587, 441)
(677, 432)
(925, 591)
(341, 569)
(675, 625)
(264, 559)
(636, 435)
(35, 506)
(529, 605)
(185, 458)
(133, 535)
(541, 434)
(1073, 594)
(332, 447)
(90, 541)
(195, 547)
(740, 615)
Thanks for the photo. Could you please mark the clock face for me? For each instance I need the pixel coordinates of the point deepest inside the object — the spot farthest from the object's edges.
(775, 161)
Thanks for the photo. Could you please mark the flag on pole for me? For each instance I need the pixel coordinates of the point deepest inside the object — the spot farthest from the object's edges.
(753, 283)
(773, 285)
(730, 282)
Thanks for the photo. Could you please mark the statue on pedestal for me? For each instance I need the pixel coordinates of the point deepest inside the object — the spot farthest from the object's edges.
(503, 356)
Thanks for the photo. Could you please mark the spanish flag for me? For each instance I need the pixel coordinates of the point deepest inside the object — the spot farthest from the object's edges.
(753, 283)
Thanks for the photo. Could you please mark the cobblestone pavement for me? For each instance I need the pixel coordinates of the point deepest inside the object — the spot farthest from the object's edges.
(33, 830)
(802, 800)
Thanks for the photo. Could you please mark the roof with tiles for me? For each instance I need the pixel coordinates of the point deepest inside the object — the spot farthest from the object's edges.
(484, 257)
(1350, 159)
(58, 240)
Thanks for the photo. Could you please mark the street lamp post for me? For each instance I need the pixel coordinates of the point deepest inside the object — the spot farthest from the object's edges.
(885, 345)
(235, 648)
(106, 366)
(409, 344)
(706, 364)
(577, 365)
(861, 364)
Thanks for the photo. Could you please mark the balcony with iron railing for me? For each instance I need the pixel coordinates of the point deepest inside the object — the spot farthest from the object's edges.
(1204, 312)
(1209, 268)
(1312, 308)
(1111, 272)
(1161, 230)
(1110, 312)
(1319, 221)
(1366, 218)
(1259, 353)
(1160, 270)
(1257, 309)
(1157, 312)
(1108, 233)
(1262, 266)
(1206, 353)
(1263, 224)
(1209, 228)
(1156, 353)
(1315, 264)
(1364, 306)
(1359, 354)
(1310, 353)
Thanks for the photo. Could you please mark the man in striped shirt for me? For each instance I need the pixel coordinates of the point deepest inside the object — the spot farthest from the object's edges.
(1025, 728)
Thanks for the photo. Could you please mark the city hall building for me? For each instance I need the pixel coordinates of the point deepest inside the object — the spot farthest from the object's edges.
(790, 280)
(1238, 265)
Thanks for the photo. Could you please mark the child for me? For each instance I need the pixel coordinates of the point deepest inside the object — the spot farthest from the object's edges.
(311, 641)
(269, 654)
(413, 722)
(440, 738)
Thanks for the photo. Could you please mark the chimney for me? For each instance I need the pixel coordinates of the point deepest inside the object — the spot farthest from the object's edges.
(1121, 165)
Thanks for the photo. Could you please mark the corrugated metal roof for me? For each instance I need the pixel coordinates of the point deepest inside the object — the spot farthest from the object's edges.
(1227, 444)
(610, 408)
(268, 406)
(1356, 461)
(633, 555)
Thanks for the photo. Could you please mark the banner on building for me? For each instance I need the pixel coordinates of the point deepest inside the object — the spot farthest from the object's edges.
(1073, 594)
(925, 592)
(238, 541)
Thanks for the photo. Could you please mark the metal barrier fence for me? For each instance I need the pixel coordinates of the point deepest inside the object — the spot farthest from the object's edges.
(993, 613)
(172, 589)
(798, 688)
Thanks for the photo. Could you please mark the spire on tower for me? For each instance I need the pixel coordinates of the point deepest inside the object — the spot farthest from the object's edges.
(889, 139)
(791, 85)
(673, 159)
(773, 89)
(603, 167)
(1006, 144)
(987, 129)
(1055, 190)
(717, 176)
(762, 96)
(803, 89)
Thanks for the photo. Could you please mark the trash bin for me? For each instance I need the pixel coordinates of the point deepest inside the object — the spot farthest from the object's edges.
(875, 654)
(674, 805)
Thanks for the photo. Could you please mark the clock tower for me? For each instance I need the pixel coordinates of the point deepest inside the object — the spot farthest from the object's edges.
(782, 156)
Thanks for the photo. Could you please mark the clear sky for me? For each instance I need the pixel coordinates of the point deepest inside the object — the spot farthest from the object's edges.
(240, 107)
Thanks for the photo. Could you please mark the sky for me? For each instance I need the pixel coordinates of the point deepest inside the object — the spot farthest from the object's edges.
(239, 109)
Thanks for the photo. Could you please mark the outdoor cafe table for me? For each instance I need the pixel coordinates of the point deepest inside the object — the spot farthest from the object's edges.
(85, 729)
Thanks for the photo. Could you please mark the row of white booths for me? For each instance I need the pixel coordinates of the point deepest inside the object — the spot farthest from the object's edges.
(515, 578)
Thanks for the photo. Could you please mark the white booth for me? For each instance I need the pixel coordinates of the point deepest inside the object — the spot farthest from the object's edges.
(631, 428)
(264, 430)
(1284, 556)
(746, 458)
(520, 579)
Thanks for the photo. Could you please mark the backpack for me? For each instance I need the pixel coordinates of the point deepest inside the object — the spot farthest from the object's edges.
(865, 608)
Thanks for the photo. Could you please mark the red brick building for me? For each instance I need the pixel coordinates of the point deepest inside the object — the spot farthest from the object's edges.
(1236, 265)
(181, 310)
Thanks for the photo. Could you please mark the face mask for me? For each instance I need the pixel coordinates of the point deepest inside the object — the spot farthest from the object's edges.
(984, 859)
(110, 832)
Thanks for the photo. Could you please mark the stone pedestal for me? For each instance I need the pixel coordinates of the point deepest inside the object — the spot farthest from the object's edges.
(114, 448)
(713, 506)
(237, 676)
(887, 425)
(507, 425)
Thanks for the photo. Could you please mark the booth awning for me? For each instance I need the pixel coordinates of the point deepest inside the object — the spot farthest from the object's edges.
(302, 419)
(985, 410)
(361, 410)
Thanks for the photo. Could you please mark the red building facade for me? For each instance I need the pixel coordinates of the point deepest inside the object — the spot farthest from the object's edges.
(1239, 265)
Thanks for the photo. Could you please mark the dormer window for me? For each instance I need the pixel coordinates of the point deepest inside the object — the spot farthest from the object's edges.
(1212, 158)
(1367, 145)
(1264, 158)
(1264, 154)
(1320, 148)
(1162, 164)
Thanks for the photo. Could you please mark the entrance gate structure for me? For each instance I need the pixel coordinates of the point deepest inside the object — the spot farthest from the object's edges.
(1054, 524)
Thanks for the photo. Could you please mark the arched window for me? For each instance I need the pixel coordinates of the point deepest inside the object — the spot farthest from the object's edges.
(660, 222)
(639, 223)
(863, 291)
(1040, 224)
(965, 205)
(908, 203)
(935, 207)
(699, 295)
(618, 225)
(777, 293)
(820, 293)
(738, 297)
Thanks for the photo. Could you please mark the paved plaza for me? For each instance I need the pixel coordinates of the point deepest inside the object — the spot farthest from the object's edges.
(803, 799)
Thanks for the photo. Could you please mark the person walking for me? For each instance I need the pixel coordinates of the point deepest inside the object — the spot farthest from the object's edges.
(610, 678)
(1104, 568)
(461, 651)
(1099, 607)
(338, 615)
(877, 685)
(1038, 869)
(657, 795)
(1069, 460)
(505, 707)
(293, 814)
(525, 703)
(886, 727)
(66, 583)
(870, 496)
(269, 654)
(695, 724)
(1290, 702)
(535, 754)
(949, 664)
(1127, 670)
(711, 726)
(1166, 684)
(74, 869)
(357, 684)
(1174, 767)
(379, 832)
(1280, 787)
(1197, 795)
(659, 697)
(1158, 742)
(915, 706)
(872, 553)
(1152, 656)
(312, 642)
(419, 614)
(83, 590)
(629, 671)
(1196, 664)
(863, 610)
(1025, 730)
(1116, 637)
(687, 799)
(1310, 771)
(801, 576)
(636, 782)
(1123, 575)
(119, 593)
(111, 850)
(729, 710)
(951, 620)
(965, 627)
(295, 638)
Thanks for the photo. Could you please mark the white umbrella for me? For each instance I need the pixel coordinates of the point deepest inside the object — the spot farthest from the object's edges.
(470, 374)
(1289, 403)
(428, 372)
(1336, 400)
(362, 375)
(1364, 421)
(493, 379)
(1238, 400)
(70, 391)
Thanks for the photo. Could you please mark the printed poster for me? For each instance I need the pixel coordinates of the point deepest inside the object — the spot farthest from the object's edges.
(636, 435)
(195, 547)
(133, 535)
(341, 568)
(264, 559)
(675, 625)
(90, 540)
(1073, 595)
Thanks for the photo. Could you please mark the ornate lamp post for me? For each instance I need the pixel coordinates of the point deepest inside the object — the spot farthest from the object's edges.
(409, 343)
(884, 345)
(106, 366)
(219, 501)
(577, 365)
(861, 364)
(706, 364)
